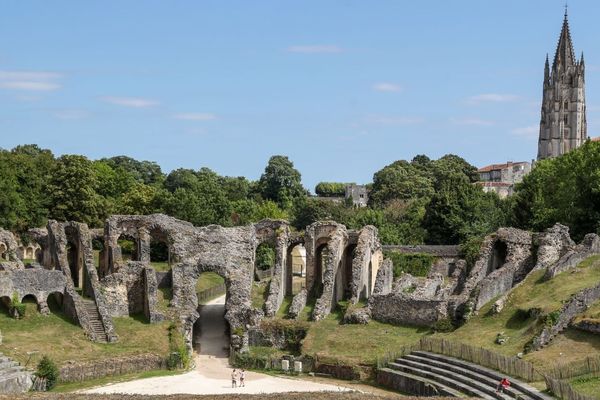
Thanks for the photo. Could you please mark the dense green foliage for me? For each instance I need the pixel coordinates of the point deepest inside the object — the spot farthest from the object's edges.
(411, 202)
(265, 256)
(564, 189)
(331, 189)
(48, 370)
(414, 264)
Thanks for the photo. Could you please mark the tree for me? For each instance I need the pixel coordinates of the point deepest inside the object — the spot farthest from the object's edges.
(281, 182)
(73, 191)
(564, 189)
(11, 203)
(331, 189)
(147, 172)
(143, 199)
(31, 166)
(400, 180)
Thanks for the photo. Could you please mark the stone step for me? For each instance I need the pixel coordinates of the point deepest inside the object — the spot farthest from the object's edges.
(515, 383)
(415, 380)
(464, 385)
(442, 368)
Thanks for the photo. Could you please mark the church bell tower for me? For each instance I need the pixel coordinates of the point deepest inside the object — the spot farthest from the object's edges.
(563, 124)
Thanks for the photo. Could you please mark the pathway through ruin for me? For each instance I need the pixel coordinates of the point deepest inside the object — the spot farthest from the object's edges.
(213, 374)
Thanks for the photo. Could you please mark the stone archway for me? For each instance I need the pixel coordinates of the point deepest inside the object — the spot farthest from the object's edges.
(211, 332)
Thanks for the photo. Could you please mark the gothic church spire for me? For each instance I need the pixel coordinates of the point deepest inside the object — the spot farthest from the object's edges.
(565, 56)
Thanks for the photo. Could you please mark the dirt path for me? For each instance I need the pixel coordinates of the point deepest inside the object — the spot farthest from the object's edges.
(212, 374)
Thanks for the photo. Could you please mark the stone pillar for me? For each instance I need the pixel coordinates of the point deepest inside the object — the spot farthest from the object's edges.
(143, 245)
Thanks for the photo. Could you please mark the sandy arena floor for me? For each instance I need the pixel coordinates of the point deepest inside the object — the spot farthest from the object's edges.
(212, 374)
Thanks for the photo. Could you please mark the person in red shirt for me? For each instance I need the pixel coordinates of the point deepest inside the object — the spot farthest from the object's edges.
(503, 385)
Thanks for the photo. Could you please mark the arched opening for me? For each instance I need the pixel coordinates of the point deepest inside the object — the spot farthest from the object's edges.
(39, 256)
(5, 305)
(30, 302)
(346, 272)
(320, 261)
(160, 257)
(264, 263)
(29, 254)
(129, 248)
(98, 250)
(499, 254)
(3, 252)
(55, 302)
(210, 334)
(73, 258)
(296, 269)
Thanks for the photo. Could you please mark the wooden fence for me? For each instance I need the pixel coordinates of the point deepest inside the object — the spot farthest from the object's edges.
(211, 293)
(586, 366)
(562, 389)
(512, 366)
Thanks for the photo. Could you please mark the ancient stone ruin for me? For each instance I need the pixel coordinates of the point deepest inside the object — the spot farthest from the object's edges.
(327, 262)
(339, 264)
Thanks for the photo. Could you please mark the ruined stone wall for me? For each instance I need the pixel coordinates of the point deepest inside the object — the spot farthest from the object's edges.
(451, 251)
(400, 309)
(37, 282)
(576, 305)
(365, 264)
(79, 372)
(9, 251)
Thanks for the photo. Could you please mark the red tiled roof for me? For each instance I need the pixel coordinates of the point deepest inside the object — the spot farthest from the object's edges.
(595, 139)
(494, 167)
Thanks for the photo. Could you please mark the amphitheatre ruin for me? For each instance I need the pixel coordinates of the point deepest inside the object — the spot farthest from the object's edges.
(337, 264)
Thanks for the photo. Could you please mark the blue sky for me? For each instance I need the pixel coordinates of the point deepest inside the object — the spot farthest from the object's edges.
(341, 87)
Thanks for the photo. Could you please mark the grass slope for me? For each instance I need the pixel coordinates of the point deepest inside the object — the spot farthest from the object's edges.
(515, 322)
(62, 340)
(354, 344)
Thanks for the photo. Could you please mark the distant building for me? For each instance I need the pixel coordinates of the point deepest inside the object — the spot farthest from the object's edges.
(359, 195)
(501, 178)
(563, 125)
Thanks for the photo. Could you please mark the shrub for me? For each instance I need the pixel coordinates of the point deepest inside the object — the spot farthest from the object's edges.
(265, 257)
(17, 308)
(552, 318)
(331, 189)
(444, 325)
(46, 369)
(179, 357)
(469, 250)
(414, 264)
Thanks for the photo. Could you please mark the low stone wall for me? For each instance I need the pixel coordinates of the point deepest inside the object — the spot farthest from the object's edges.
(345, 372)
(578, 304)
(434, 250)
(588, 325)
(405, 384)
(77, 372)
(395, 308)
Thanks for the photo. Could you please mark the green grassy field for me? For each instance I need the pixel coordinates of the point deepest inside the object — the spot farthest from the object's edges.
(62, 340)
(588, 385)
(351, 344)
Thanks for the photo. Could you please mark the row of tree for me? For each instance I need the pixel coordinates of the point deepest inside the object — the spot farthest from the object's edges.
(411, 202)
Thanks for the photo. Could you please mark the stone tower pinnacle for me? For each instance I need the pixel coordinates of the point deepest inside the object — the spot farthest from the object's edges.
(563, 124)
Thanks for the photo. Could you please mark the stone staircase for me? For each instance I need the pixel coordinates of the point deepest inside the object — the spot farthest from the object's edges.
(424, 373)
(95, 322)
(13, 377)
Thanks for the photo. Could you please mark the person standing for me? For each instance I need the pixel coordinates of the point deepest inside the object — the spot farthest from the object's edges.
(234, 378)
(242, 377)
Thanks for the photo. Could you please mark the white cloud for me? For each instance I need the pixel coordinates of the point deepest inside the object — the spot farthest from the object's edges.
(133, 102)
(71, 114)
(37, 81)
(394, 120)
(492, 98)
(312, 49)
(527, 131)
(387, 87)
(472, 122)
(195, 116)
